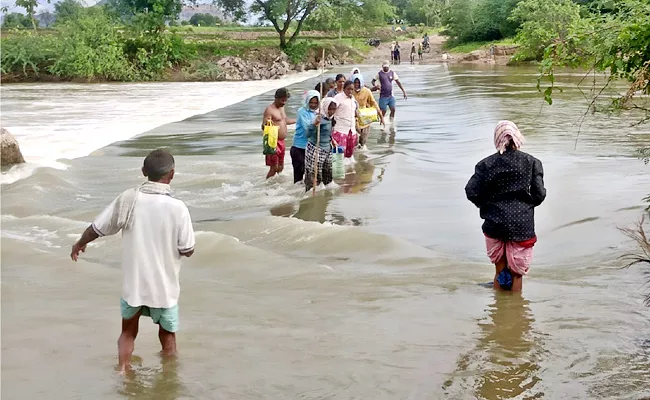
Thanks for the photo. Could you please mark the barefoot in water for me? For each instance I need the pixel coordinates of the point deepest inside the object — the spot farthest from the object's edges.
(124, 368)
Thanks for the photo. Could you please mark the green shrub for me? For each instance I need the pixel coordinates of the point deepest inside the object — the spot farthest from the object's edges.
(543, 22)
(27, 53)
(479, 20)
(298, 51)
(90, 47)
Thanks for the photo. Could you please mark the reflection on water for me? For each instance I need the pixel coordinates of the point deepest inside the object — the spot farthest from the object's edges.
(161, 383)
(504, 362)
(313, 208)
(358, 178)
(390, 134)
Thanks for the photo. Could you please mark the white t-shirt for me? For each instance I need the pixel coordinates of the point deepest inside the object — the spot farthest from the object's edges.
(161, 229)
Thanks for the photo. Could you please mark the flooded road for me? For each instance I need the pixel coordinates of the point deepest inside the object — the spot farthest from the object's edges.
(375, 290)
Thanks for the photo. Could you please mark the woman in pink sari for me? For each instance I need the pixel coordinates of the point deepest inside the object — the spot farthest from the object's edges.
(506, 187)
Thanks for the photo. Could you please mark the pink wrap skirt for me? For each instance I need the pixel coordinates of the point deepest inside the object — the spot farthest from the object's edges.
(518, 254)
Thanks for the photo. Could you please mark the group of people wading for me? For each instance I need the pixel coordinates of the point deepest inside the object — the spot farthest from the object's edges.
(329, 119)
(158, 232)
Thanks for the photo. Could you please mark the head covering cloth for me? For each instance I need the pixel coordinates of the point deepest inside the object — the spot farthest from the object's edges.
(360, 78)
(326, 104)
(505, 133)
(310, 94)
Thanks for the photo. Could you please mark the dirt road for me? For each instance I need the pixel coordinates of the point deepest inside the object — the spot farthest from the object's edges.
(382, 52)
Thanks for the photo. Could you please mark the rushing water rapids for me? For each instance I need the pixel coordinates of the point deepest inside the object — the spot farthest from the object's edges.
(375, 290)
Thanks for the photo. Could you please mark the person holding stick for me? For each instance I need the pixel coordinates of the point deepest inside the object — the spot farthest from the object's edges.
(318, 155)
(306, 115)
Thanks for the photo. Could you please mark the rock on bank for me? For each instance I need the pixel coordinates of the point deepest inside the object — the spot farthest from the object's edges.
(269, 65)
(9, 149)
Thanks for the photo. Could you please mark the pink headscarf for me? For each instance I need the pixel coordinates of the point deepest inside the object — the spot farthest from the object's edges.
(504, 132)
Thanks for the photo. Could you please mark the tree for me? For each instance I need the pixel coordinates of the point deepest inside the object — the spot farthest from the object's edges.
(47, 18)
(66, 10)
(480, 20)
(376, 11)
(460, 20)
(150, 15)
(282, 14)
(615, 43)
(16, 21)
(345, 14)
(30, 9)
(544, 22)
(201, 19)
(428, 12)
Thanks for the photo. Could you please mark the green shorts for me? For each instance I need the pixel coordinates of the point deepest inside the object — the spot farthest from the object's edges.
(167, 318)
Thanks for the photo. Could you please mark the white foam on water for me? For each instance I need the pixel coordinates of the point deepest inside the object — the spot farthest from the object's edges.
(55, 122)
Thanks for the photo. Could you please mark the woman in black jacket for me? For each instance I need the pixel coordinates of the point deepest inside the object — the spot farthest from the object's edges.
(506, 187)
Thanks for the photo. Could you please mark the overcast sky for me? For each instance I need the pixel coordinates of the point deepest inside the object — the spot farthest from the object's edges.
(44, 6)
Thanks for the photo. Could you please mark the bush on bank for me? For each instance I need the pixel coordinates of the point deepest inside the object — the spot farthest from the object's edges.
(93, 47)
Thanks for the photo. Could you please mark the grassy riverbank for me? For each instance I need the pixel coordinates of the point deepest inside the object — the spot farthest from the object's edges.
(96, 51)
(465, 48)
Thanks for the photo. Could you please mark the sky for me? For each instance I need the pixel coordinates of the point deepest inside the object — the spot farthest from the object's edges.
(43, 5)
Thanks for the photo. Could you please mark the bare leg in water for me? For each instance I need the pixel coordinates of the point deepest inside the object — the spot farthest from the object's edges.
(167, 341)
(517, 280)
(273, 169)
(126, 342)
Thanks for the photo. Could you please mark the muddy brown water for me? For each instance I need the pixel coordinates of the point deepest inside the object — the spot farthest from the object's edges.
(375, 290)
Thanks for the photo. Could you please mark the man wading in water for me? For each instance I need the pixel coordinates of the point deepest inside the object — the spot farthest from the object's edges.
(384, 82)
(275, 112)
(156, 232)
(507, 186)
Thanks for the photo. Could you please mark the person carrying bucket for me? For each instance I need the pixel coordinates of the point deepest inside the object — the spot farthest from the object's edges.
(345, 133)
(318, 155)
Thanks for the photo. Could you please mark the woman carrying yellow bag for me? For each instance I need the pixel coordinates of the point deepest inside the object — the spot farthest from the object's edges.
(366, 101)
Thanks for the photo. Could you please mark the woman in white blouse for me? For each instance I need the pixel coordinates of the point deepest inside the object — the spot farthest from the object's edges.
(345, 134)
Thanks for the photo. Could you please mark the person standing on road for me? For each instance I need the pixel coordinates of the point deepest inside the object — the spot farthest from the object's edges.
(412, 52)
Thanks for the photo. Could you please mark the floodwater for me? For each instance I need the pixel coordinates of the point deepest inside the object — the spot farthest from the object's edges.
(374, 290)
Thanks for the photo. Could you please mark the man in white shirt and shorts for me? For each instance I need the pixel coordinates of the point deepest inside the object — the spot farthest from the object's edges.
(156, 233)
